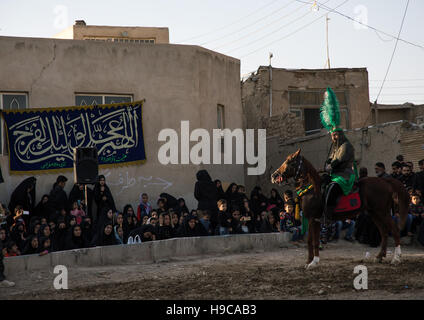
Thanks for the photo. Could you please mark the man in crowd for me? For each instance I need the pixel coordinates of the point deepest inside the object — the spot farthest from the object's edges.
(380, 170)
(396, 170)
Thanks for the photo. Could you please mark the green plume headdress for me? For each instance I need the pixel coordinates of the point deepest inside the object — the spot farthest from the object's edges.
(330, 112)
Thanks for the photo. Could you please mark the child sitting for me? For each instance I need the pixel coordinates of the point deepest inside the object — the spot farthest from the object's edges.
(224, 218)
(77, 212)
(287, 221)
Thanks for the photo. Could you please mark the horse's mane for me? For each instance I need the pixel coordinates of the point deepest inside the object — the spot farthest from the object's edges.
(312, 175)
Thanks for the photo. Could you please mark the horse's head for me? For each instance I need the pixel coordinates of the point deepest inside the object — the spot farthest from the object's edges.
(289, 169)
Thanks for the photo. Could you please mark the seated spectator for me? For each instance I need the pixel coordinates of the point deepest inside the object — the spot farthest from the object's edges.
(205, 221)
(87, 229)
(77, 211)
(144, 208)
(416, 210)
(144, 233)
(219, 189)
(105, 237)
(119, 234)
(75, 239)
(45, 246)
(287, 221)
(170, 201)
(164, 229)
(42, 210)
(152, 221)
(161, 203)
(236, 223)
(270, 224)
(77, 194)
(192, 228)
(175, 223)
(348, 224)
(224, 218)
(12, 249)
(181, 206)
(258, 201)
(276, 199)
(59, 237)
(259, 220)
(3, 237)
(31, 246)
(105, 217)
(17, 235)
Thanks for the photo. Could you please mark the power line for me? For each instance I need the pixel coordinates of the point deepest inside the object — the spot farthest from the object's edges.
(394, 50)
(375, 29)
(250, 24)
(257, 30)
(272, 32)
(292, 33)
(231, 24)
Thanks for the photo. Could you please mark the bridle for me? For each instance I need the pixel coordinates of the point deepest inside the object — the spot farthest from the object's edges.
(299, 168)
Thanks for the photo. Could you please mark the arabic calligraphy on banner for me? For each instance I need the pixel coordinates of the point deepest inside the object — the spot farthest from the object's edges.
(44, 139)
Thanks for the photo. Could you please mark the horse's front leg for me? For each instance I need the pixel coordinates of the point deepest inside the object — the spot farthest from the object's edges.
(314, 230)
(310, 244)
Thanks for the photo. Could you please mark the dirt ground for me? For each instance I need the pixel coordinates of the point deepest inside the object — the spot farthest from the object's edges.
(279, 274)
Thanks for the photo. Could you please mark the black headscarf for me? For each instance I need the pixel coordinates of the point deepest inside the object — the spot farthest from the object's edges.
(102, 239)
(20, 195)
(73, 242)
(29, 249)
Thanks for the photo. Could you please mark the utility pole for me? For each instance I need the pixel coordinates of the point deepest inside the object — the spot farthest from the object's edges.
(270, 84)
(326, 33)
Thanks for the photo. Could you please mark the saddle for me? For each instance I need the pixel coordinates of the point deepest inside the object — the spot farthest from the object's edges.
(348, 203)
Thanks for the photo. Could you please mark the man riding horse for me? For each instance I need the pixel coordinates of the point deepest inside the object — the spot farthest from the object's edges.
(340, 166)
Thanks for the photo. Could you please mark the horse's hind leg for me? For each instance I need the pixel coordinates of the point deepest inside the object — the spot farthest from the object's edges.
(396, 236)
(384, 231)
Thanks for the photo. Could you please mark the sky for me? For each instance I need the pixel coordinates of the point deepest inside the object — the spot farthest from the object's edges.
(293, 30)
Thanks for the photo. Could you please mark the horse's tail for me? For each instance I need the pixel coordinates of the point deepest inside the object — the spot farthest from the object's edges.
(401, 198)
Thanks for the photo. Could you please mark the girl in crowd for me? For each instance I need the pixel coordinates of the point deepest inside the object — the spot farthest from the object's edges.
(276, 199)
(31, 246)
(45, 246)
(192, 228)
(87, 229)
(164, 229)
(75, 239)
(59, 237)
(106, 237)
(119, 234)
(181, 206)
(270, 224)
(77, 211)
(220, 190)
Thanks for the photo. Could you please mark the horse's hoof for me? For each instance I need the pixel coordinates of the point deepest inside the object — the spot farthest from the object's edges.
(395, 260)
(312, 265)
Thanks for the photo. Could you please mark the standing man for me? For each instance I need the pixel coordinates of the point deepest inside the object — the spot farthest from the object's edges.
(380, 170)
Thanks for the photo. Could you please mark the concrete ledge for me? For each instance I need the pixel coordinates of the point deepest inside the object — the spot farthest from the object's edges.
(148, 252)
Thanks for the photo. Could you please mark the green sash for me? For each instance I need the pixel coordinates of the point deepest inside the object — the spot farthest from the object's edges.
(346, 185)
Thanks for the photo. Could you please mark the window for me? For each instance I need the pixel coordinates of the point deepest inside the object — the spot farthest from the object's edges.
(220, 117)
(10, 101)
(306, 106)
(95, 99)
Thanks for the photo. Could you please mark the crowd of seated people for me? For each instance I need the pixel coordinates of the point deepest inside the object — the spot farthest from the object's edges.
(65, 222)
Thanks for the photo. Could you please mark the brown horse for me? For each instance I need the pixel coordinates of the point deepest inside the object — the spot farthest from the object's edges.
(377, 195)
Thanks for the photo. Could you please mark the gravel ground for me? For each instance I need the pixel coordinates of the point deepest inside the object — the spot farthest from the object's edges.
(278, 274)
